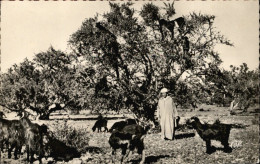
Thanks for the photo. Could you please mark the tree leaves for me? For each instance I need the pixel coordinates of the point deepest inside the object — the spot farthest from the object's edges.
(139, 62)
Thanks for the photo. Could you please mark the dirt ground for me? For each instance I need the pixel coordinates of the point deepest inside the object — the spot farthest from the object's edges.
(188, 147)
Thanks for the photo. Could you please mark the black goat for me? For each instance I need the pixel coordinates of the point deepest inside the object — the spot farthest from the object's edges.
(101, 122)
(16, 133)
(121, 124)
(17, 138)
(129, 138)
(11, 135)
(170, 25)
(208, 132)
(34, 135)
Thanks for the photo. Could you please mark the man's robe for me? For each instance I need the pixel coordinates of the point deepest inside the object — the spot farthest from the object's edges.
(167, 112)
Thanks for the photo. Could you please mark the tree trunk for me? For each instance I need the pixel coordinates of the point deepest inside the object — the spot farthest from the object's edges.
(45, 116)
(233, 105)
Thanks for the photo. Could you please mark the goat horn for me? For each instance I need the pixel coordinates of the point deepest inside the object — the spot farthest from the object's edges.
(133, 137)
(142, 137)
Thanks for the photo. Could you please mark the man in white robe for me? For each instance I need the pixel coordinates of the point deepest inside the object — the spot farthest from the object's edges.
(167, 113)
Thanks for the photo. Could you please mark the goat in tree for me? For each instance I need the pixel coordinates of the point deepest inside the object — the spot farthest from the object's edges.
(171, 24)
(186, 55)
(181, 22)
(113, 47)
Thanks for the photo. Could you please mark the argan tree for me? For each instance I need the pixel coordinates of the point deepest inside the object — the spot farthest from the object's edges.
(49, 83)
(134, 53)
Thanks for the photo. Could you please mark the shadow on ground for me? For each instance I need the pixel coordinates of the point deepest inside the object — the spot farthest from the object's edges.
(87, 118)
(149, 159)
(214, 149)
(239, 126)
(184, 135)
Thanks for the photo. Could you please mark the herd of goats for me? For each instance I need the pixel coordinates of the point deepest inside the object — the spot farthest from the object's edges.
(127, 135)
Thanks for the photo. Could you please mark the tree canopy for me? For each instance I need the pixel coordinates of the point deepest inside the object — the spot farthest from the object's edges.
(46, 84)
(127, 48)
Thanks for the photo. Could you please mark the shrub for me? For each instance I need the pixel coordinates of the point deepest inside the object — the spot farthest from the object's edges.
(77, 138)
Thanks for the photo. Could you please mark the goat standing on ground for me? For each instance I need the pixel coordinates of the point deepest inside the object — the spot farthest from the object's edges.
(16, 139)
(11, 135)
(121, 124)
(129, 138)
(101, 122)
(216, 131)
(34, 135)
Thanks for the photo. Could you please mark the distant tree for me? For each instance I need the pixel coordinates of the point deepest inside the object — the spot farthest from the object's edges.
(136, 61)
(48, 83)
(238, 87)
(16, 85)
(243, 86)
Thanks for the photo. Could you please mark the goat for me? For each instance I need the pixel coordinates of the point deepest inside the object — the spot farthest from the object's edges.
(16, 133)
(101, 122)
(181, 23)
(4, 133)
(17, 138)
(34, 144)
(121, 124)
(208, 132)
(11, 135)
(34, 134)
(170, 25)
(59, 150)
(129, 138)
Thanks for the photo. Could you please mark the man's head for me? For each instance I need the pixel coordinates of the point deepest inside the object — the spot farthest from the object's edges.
(164, 92)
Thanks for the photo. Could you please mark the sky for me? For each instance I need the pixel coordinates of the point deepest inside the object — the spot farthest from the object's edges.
(28, 28)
